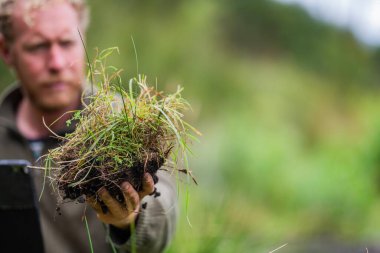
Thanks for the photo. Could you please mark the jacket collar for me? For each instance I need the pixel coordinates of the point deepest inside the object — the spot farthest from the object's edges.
(9, 102)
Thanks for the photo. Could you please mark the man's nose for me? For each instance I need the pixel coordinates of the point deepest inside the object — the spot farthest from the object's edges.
(57, 60)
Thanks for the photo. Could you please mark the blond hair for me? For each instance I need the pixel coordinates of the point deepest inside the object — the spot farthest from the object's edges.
(7, 8)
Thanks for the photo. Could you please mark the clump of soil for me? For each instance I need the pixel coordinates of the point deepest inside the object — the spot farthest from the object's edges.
(120, 135)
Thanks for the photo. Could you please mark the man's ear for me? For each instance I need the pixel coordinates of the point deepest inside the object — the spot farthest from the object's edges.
(5, 53)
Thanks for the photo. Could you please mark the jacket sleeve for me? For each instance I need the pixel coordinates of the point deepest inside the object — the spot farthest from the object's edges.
(156, 222)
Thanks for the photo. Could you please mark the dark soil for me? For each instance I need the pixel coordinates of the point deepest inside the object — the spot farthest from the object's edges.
(96, 177)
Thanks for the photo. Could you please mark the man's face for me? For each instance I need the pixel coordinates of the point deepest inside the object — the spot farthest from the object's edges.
(48, 56)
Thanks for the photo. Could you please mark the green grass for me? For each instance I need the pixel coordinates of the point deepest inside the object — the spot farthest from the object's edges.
(120, 134)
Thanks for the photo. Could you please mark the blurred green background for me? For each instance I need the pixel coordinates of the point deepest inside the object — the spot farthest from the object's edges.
(289, 111)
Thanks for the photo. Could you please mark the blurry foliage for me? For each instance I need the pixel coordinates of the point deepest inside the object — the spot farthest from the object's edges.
(289, 111)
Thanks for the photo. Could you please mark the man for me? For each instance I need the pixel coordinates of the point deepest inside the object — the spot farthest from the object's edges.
(40, 42)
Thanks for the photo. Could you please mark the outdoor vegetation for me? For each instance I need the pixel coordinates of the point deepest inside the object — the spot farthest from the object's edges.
(289, 113)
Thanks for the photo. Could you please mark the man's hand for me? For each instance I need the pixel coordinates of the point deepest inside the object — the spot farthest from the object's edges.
(122, 215)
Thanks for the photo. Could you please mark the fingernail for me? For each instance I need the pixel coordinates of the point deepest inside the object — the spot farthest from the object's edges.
(126, 185)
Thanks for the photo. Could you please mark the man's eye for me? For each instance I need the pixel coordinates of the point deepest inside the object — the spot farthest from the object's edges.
(66, 43)
(37, 47)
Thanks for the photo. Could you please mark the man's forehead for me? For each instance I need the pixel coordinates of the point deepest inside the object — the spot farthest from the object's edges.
(27, 8)
(43, 19)
(12, 5)
(15, 14)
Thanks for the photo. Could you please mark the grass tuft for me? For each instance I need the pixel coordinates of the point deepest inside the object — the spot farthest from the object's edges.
(120, 134)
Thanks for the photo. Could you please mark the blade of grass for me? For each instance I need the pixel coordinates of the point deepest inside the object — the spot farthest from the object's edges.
(88, 234)
(137, 61)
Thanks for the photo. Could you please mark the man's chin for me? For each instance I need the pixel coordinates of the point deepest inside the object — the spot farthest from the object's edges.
(52, 106)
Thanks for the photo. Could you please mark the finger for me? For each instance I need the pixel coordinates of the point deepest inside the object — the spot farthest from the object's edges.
(131, 197)
(94, 204)
(147, 186)
(112, 204)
